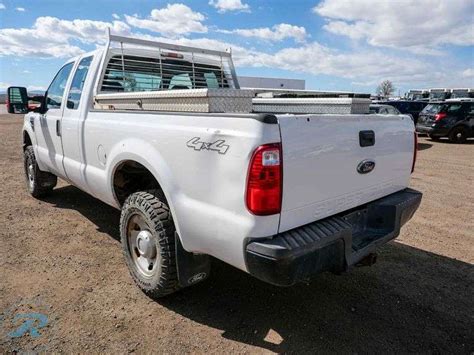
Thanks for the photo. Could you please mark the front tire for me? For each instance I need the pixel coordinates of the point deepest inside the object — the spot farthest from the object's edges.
(38, 183)
(147, 235)
(458, 135)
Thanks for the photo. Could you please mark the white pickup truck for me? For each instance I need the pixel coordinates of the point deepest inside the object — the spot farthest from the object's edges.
(165, 134)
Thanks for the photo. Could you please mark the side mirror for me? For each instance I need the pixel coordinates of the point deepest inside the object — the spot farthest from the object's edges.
(17, 100)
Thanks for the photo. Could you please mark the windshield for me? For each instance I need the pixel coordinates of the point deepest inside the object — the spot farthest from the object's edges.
(437, 95)
(375, 109)
(460, 94)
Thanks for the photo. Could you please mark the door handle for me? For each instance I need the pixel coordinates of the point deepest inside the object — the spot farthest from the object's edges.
(58, 128)
(366, 138)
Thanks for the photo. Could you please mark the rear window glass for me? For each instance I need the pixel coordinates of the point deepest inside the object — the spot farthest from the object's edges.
(432, 108)
(135, 73)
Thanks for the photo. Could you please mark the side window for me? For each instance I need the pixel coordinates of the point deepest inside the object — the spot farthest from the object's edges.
(454, 108)
(471, 109)
(77, 84)
(57, 87)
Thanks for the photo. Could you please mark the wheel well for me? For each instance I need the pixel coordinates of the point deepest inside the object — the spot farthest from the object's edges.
(130, 177)
(26, 140)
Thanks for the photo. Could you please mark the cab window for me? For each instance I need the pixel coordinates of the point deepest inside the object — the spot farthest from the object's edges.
(56, 89)
(77, 84)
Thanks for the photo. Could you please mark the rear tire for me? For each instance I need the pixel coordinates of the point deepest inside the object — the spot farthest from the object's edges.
(38, 183)
(147, 234)
(458, 135)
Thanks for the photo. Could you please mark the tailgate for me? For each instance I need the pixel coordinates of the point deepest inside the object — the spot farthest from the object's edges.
(321, 156)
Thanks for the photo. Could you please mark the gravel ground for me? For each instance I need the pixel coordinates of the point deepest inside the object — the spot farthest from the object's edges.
(61, 267)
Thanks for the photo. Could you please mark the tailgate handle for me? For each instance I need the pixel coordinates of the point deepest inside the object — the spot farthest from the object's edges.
(366, 138)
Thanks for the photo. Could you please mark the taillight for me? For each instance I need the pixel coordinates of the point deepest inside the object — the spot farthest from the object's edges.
(265, 180)
(440, 116)
(415, 149)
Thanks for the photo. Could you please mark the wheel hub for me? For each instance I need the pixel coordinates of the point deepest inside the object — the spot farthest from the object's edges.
(145, 245)
(142, 245)
(31, 175)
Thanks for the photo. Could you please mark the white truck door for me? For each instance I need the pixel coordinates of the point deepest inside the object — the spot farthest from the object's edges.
(73, 118)
(48, 125)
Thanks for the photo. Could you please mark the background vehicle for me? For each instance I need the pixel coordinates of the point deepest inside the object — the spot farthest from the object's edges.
(439, 94)
(462, 93)
(412, 108)
(165, 135)
(416, 95)
(383, 109)
(453, 118)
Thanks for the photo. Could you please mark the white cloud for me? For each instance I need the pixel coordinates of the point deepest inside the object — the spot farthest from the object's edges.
(4, 86)
(229, 5)
(316, 59)
(2, 7)
(276, 33)
(115, 16)
(172, 20)
(468, 73)
(51, 37)
(20, 9)
(420, 26)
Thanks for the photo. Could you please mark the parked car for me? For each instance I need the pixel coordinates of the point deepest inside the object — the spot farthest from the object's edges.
(196, 173)
(462, 93)
(383, 109)
(412, 108)
(453, 118)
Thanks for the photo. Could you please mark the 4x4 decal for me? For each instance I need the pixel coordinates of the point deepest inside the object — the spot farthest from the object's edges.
(217, 146)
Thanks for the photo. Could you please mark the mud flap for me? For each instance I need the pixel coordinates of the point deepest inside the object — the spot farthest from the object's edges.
(192, 268)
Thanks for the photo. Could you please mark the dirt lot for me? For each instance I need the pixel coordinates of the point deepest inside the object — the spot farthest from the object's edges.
(61, 267)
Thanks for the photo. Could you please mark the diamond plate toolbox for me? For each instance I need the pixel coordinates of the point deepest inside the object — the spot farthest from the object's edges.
(192, 100)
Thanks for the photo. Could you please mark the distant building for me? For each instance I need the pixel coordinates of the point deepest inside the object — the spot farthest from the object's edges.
(271, 83)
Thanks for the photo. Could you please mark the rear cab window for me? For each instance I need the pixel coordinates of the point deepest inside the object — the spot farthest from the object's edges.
(134, 73)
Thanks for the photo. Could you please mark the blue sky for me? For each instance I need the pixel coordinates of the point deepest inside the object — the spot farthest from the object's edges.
(332, 44)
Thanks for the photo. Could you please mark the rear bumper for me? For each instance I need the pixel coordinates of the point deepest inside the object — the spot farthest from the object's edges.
(332, 244)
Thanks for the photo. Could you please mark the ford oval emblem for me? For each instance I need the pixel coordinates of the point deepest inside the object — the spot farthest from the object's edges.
(365, 166)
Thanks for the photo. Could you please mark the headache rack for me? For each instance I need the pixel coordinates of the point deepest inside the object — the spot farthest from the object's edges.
(140, 74)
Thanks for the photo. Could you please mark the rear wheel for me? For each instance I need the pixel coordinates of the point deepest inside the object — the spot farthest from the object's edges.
(147, 234)
(38, 183)
(458, 135)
